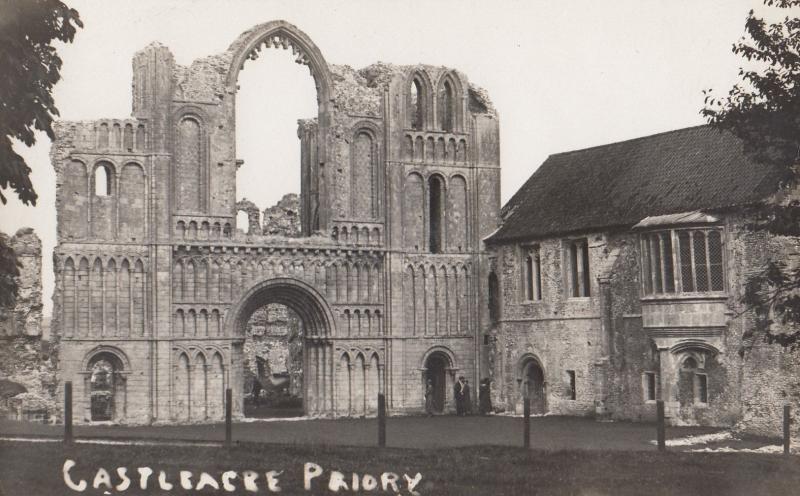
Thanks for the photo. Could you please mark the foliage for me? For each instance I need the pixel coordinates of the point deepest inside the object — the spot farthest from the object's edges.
(763, 109)
(29, 68)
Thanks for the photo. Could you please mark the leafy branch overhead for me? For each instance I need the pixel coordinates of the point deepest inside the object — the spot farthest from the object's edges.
(29, 68)
(763, 109)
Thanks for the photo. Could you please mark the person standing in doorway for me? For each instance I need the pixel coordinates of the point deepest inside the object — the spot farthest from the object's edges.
(429, 398)
(256, 391)
(458, 395)
(467, 398)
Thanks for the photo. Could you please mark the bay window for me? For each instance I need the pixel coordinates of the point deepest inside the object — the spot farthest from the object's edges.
(682, 261)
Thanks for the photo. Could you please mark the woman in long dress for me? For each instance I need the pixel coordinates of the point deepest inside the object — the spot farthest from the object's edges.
(429, 397)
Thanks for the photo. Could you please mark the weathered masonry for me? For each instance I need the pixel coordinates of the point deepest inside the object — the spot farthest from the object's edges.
(617, 276)
(155, 284)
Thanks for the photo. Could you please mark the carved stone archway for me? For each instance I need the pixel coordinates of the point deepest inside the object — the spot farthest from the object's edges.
(319, 325)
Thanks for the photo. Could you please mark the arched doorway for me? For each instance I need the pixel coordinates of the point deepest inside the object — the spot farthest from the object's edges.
(273, 363)
(309, 306)
(104, 386)
(533, 385)
(436, 371)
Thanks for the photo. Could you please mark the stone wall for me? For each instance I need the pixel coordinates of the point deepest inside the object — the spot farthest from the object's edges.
(769, 373)
(25, 318)
(612, 338)
(273, 348)
(27, 364)
(164, 293)
(283, 219)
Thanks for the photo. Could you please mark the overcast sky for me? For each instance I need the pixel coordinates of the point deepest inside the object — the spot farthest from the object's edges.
(563, 74)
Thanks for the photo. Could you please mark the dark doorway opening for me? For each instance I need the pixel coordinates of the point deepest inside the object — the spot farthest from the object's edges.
(273, 359)
(104, 387)
(533, 386)
(436, 372)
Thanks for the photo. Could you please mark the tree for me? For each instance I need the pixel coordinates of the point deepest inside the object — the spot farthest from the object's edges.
(763, 109)
(29, 67)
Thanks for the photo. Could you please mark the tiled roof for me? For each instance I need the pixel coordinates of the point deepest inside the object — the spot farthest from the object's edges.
(616, 185)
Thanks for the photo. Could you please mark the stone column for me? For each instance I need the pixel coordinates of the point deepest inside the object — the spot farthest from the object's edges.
(668, 375)
(423, 374)
(601, 364)
(311, 397)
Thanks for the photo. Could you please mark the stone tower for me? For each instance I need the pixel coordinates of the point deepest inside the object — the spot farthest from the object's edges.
(400, 183)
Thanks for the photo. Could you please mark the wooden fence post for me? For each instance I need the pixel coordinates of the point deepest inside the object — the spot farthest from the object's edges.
(526, 435)
(381, 420)
(662, 441)
(228, 417)
(68, 436)
(787, 419)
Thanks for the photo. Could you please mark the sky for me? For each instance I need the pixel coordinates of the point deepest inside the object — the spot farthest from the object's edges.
(563, 75)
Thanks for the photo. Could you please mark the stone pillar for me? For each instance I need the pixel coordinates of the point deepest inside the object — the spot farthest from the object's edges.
(325, 405)
(450, 380)
(601, 364)
(313, 389)
(423, 386)
(668, 375)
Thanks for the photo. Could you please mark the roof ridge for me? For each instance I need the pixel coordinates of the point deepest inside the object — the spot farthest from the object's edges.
(606, 145)
(692, 168)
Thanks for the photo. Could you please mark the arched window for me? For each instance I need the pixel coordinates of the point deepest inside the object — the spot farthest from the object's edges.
(363, 177)
(416, 107)
(102, 180)
(532, 274)
(242, 221)
(102, 138)
(189, 164)
(128, 137)
(693, 381)
(435, 211)
(446, 107)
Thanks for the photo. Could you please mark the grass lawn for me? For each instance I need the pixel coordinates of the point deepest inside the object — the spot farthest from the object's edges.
(36, 469)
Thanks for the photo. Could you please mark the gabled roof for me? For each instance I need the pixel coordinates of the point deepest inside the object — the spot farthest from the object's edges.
(618, 185)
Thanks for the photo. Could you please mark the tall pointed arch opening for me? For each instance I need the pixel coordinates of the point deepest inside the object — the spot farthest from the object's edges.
(275, 103)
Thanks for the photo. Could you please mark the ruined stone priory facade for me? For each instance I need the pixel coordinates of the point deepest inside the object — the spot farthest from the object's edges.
(155, 282)
(27, 365)
(616, 279)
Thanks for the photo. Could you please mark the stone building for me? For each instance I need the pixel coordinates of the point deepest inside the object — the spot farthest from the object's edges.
(616, 279)
(155, 282)
(273, 346)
